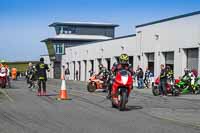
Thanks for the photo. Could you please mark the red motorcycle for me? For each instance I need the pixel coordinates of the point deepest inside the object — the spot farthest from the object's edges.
(3, 77)
(121, 89)
(170, 87)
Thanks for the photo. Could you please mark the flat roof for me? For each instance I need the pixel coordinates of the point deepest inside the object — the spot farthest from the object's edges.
(92, 24)
(120, 37)
(70, 37)
(168, 19)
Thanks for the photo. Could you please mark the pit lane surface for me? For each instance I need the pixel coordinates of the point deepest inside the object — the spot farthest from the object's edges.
(92, 113)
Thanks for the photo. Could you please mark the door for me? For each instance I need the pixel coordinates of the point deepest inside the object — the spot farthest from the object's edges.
(192, 58)
(57, 70)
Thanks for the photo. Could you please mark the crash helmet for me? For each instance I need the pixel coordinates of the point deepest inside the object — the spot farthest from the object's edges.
(123, 59)
(100, 66)
(186, 70)
(30, 64)
(41, 59)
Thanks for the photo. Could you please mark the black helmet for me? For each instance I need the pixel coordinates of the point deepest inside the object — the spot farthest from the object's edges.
(41, 59)
(123, 59)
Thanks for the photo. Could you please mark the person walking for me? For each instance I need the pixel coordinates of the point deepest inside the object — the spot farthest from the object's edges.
(41, 69)
(163, 80)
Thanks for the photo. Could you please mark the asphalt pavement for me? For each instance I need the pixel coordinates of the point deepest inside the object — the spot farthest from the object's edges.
(22, 111)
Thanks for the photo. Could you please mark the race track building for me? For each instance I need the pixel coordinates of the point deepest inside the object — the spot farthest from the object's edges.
(69, 34)
(173, 41)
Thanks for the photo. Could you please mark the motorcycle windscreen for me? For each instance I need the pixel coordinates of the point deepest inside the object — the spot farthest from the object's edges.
(124, 73)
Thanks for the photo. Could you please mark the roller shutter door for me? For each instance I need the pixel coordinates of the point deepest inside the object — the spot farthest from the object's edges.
(192, 58)
(169, 58)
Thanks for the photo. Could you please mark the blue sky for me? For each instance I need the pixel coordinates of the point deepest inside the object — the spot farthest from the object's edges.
(24, 23)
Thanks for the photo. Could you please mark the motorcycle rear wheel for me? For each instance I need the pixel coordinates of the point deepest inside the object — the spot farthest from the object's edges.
(155, 91)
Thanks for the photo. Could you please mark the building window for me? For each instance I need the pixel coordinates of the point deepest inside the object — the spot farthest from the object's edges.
(68, 30)
(59, 48)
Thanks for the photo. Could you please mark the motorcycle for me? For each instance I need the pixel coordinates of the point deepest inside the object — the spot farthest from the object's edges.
(3, 77)
(170, 87)
(121, 89)
(96, 82)
(189, 85)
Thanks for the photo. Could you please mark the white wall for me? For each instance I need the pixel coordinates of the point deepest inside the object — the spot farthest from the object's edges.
(94, 51)
(174, 35)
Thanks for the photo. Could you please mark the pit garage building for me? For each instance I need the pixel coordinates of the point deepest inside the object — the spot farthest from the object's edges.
(173, 41)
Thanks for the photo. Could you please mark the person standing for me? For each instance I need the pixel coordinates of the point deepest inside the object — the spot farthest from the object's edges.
(147, 77)
(163, 81)
(67, 73)
(8, 75)
(41, 69)
(140, 74)
(76, 74)
(30, 75)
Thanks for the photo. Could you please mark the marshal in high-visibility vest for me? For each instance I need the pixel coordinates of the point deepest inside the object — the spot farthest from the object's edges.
(14, 73)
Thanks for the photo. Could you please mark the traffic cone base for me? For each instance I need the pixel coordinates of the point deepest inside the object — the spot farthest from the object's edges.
(63, 91)
(63, 95)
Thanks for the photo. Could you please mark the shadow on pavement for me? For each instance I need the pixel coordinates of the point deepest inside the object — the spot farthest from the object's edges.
(56, 94)
(135, 107)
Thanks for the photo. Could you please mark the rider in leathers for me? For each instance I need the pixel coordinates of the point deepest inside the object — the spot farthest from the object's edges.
(103, 74)
(123, 64)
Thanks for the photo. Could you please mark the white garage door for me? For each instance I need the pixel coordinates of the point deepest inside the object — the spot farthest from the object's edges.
(169, 58)
(192, 58)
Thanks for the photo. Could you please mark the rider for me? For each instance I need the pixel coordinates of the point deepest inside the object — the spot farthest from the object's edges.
(41, 69)
(102, 70)
(6, 69)
(148, 75)
(123, 64)
(30, 72)
(103, 73)
(188, 78)
(170, 75)
(186, 75)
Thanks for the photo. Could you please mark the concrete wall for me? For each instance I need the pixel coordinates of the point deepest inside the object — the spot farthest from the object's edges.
(175, 35)
(98, 51)
(170, 36)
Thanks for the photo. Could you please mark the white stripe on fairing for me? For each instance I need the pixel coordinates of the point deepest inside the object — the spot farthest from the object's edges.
(124, 79)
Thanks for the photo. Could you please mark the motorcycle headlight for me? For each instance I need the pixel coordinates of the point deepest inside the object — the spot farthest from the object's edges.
(124, 79)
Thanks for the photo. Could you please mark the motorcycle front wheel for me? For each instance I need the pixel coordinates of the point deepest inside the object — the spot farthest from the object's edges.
(123, 100)
(91, 87)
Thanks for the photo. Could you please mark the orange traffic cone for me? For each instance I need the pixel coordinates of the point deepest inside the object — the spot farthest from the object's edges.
(63, 91)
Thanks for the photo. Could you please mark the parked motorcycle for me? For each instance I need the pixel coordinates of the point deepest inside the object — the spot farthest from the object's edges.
(121, 89)
(3, 77)
(170, 87)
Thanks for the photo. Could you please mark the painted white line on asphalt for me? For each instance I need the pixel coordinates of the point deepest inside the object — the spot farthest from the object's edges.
(5, 93)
